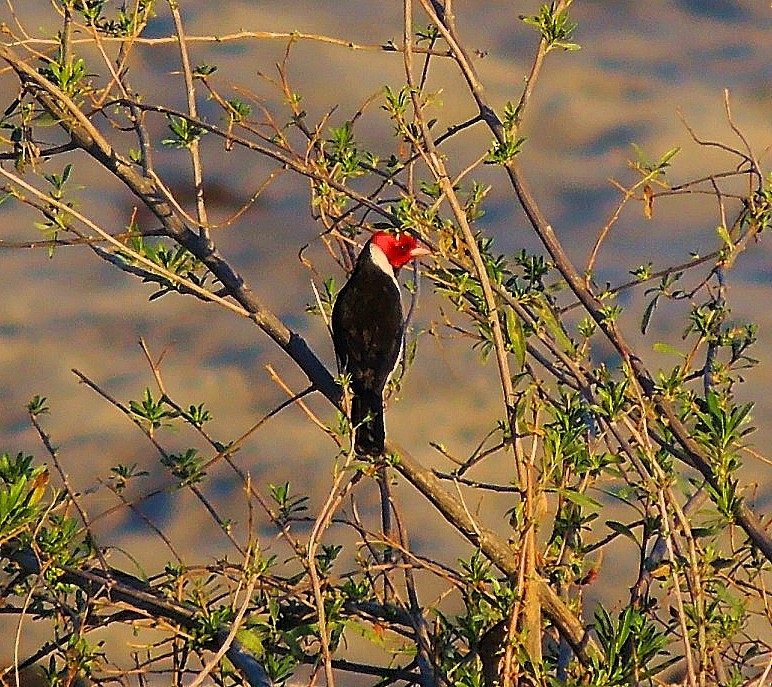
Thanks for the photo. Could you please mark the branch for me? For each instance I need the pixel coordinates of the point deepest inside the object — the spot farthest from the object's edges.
(193, 148)
(85, 135)
(241, 35)
(98, 583)
(750, 523)
(496, 549)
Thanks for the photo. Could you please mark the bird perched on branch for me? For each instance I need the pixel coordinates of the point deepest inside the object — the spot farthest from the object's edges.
(367, 331)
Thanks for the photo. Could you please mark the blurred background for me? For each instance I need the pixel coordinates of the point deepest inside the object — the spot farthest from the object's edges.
(640, 65)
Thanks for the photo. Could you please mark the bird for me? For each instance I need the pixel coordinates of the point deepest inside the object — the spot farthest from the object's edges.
(367, 331)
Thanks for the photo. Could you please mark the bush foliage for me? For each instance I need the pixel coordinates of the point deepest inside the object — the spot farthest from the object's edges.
(585, 421)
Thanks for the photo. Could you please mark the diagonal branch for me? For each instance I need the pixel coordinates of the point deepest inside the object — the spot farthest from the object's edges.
(86, 136)
(116, 587)
(496, 549)
(697, 457)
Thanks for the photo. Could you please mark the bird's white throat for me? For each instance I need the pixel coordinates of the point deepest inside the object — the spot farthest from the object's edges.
(381, 261)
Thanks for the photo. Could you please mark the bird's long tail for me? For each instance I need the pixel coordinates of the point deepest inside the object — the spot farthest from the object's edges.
(367, 420)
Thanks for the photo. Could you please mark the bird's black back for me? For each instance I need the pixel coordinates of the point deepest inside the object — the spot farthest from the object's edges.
(367, 327)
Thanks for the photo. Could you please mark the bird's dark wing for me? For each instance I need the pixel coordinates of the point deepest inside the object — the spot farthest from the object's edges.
(367, 328)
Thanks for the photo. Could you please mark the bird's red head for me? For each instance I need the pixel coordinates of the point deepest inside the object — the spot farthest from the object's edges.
(398, 250)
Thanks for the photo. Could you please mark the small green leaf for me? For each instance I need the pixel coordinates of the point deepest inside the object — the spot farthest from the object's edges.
(515, 336)
(667, 348)
(251, 641)
(621, 528)
(555, 328)
(204, 70)
(648, 313)
(724, 236)
(668, 156)
(581, 500)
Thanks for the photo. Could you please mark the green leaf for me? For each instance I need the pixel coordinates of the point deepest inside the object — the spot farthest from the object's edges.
(668, 156)
(621, 528)
(581, 500)
(648, 313)
(555, 27)
(555, 328)
(667, 348)
(515, 336)
(724, 236)
(251, 641)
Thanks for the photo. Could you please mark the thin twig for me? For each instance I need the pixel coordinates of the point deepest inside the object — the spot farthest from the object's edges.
(54, 453)
(193, 146)
(239, 36)
(336, 496)
(231, 636)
